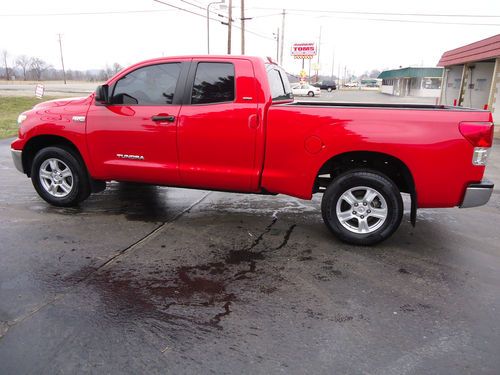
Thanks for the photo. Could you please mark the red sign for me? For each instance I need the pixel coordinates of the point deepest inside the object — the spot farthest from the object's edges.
(303, 50)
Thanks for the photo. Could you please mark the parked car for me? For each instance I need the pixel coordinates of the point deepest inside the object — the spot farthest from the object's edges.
(305, 89)
(231, 124)
(326, 85)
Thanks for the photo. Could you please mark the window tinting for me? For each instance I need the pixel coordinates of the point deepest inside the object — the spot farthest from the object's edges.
(213, 83)
(151, 85)
(280, 87)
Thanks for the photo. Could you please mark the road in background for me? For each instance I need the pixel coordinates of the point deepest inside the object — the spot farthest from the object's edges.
(365, 96)
(145, 279)
(85, 88)
(51, 88)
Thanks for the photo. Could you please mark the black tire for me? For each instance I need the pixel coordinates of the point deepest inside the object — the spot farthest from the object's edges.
(310, 93)
(361, 179)
(80, 185)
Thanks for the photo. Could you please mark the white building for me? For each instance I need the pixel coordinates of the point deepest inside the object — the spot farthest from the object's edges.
(472, 76)
(423, 82)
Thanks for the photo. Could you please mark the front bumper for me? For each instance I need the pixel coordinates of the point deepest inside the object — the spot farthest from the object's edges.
(477, 194)
(17, 157)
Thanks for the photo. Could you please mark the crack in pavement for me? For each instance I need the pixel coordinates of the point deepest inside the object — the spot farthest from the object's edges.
(6, 326)
(287, 237)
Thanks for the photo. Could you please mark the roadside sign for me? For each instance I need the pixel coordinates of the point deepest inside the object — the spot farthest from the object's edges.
(39, 91)
(304, 50)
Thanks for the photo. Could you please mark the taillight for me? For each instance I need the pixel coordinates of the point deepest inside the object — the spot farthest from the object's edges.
(479, 134)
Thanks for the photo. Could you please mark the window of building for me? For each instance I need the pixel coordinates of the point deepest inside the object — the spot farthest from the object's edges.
(213, 83)
(481, 84)
(432, 83)
(150, 85)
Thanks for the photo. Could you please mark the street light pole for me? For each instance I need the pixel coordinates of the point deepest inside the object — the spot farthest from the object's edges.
(229, 26)
(282, 36)
(277, 43)
(243, 27)
(208, 22)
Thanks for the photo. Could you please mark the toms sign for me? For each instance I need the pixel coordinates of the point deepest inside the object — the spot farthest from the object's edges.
(303, 49)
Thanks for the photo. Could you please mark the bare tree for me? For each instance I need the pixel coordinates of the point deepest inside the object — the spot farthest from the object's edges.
(116, 68)
(374, 73)
(5, 55)
(37, 67)
(23, 62)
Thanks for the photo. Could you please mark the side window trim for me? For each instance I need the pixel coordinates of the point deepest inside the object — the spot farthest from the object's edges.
(179, 87)
(191, 76)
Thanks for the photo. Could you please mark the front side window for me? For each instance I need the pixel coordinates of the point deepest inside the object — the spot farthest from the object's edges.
(150, 85)
(213, 83)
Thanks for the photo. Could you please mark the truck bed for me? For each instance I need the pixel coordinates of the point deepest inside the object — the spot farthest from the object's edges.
(383, 105)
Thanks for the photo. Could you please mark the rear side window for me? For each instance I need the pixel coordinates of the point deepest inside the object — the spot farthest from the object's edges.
(150, 85)
(213, 83)
(278, 83)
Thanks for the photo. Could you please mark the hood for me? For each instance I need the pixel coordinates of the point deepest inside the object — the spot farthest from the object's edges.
(60, 102)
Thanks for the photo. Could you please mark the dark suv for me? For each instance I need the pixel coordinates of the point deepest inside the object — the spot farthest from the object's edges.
(326, 85)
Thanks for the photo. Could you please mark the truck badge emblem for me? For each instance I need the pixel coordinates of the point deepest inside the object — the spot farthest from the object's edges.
(132, 157)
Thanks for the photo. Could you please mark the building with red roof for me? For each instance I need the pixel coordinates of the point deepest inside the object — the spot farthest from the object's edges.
(471, 77)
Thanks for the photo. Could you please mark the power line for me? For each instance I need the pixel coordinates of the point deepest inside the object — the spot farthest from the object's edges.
(84, 13)
(213, 19)
(404, 21)
(384, 13)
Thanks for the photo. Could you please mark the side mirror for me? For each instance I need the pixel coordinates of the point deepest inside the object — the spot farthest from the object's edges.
(101, 94)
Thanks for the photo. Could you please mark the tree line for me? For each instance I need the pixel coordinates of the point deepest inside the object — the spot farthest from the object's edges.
(32, 68)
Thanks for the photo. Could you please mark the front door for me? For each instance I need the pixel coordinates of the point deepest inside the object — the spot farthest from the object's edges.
(218, 127)
(134, 138)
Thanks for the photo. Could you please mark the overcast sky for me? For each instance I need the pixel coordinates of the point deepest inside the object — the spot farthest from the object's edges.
(359, 41)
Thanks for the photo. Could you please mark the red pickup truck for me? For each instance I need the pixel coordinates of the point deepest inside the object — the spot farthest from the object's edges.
(230, 123)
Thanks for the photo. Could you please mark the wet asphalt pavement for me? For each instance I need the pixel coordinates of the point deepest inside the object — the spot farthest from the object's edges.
(152, 280)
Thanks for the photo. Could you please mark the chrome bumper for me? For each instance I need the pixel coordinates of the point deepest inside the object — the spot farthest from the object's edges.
(17, 157)
(477, 194)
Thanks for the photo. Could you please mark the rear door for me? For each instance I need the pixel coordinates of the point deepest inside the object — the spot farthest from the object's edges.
(218, 126)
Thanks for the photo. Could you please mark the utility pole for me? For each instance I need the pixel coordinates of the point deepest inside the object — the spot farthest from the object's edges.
(319, 51)
(62, 60)
(333, 63)
(319, 43)
(282, 37)
(229, 25)
(242, 27)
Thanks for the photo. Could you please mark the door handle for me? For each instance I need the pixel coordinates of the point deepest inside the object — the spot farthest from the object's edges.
(163, 118)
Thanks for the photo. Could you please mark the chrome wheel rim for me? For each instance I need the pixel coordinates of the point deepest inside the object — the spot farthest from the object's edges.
(361, 210)
(56, 178)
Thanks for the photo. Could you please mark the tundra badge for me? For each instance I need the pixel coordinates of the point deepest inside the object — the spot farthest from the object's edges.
(79, 118)
(133, 157)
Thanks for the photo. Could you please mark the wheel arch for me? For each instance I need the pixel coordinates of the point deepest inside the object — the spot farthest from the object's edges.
(39, 142)
(391, 166)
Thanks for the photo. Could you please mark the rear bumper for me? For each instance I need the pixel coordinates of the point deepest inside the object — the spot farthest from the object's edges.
(17, 158)
(477, 194)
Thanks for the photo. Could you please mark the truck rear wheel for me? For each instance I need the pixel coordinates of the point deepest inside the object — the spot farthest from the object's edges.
(60, 177)
(362, 207)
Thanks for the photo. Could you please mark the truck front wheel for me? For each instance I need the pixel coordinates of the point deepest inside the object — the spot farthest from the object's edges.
(59, 177)
(362, 207)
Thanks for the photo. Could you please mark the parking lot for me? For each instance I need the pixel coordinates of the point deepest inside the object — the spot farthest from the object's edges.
(144, 279)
